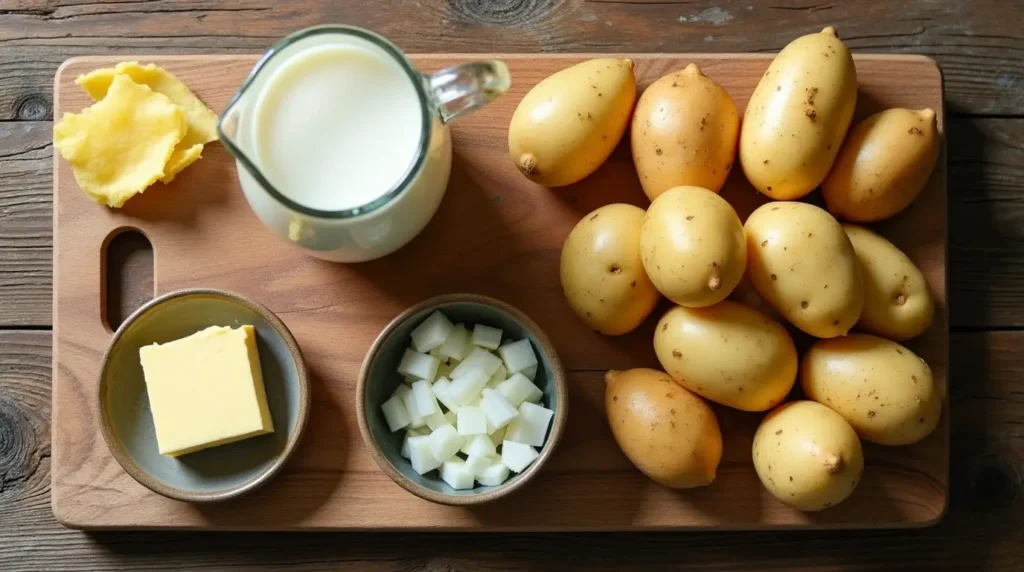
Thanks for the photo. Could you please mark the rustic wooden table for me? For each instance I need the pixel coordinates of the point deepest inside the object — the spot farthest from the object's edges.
(980, 46)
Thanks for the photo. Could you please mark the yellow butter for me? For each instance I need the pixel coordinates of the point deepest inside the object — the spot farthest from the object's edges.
(180, 159)
(206, 390)
(202, 121)
(119, 146)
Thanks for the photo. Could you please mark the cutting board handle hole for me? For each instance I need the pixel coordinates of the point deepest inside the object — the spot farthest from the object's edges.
(127, 275)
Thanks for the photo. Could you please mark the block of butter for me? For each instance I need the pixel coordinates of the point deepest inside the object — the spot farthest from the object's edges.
(206, 390)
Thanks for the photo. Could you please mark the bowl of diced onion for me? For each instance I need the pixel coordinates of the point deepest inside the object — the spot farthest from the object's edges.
(461, 399)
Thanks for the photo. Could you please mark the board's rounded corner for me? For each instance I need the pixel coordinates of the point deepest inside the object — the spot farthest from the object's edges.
(931, 62)
(937, 516)
(58, 76)
(62, 69)
(61, 515)
(935, 68)
(941, 514)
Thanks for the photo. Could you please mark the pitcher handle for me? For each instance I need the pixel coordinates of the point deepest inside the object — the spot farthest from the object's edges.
(463, 88)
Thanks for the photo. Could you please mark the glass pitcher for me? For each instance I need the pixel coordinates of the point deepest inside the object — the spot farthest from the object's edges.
(392, 219)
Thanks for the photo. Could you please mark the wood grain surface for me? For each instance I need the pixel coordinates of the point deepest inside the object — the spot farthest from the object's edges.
(495, 234)
(977, 43)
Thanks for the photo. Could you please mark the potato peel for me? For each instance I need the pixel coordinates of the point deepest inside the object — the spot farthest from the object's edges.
(202, 121)
(120, 145)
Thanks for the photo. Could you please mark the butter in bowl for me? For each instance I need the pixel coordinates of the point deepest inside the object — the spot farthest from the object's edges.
(206, 390)
(203, 395)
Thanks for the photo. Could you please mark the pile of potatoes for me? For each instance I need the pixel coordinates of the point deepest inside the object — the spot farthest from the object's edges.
(789, 261)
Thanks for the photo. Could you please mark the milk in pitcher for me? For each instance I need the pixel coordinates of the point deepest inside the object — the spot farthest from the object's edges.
(342, 146)
(337, 127)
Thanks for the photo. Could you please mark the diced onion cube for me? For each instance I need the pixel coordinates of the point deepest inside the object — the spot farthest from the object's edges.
(401, 390)
(421, 456)
(517, 456)
(480, 446)
(486, 337)
(494, 475)
(498, 377)
(441, 391)
(418, 431)
(435, 419)
(405, 444)
(420, 365)
(518, 355)
(531, 426)
(498, 436)
(395, 413)
(497, 409)
(518, 389)
(478, 358)
(456, 345)
(431, 333)
(423, 398)
(450, 417)
(445, 441)
(456, 474)
(416, 420)
(472, 421)
(476, 464)
(436, 353)
(530, 372)
(467, 386)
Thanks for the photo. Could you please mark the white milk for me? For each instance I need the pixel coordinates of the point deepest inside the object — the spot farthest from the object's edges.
(337, 126)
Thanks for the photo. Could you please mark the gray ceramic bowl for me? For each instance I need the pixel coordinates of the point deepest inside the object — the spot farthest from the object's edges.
(218, 473)
(378, 379)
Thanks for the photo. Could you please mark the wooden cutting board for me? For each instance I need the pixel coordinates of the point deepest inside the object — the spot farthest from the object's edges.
(496, 234)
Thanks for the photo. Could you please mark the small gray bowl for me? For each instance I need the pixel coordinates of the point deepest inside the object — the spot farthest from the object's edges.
(378, 379)
(218, 473)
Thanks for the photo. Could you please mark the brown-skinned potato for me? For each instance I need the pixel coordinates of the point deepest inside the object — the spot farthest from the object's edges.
(602, 276)
(883, 165)
(685, 131)
(796, 118)
(569, 123)
(670, 434)
(803, 264)
(807, 456)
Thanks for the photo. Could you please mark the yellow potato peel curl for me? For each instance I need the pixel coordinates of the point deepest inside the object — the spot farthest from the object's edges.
(121, 144)
(202, 121)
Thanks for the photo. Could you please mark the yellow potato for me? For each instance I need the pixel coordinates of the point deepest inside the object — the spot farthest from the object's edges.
(881, 388)
(807, 456)
(802, 263)
(570, 122)
(883, 165)
(602, 276)
(670, 434)
(692, 246)
(728, 353)
(897, 302)
(685, 129)
(798, 115)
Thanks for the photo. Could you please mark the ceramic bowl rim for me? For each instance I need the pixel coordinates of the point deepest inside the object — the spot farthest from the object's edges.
(557, 426)
(151, 482)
